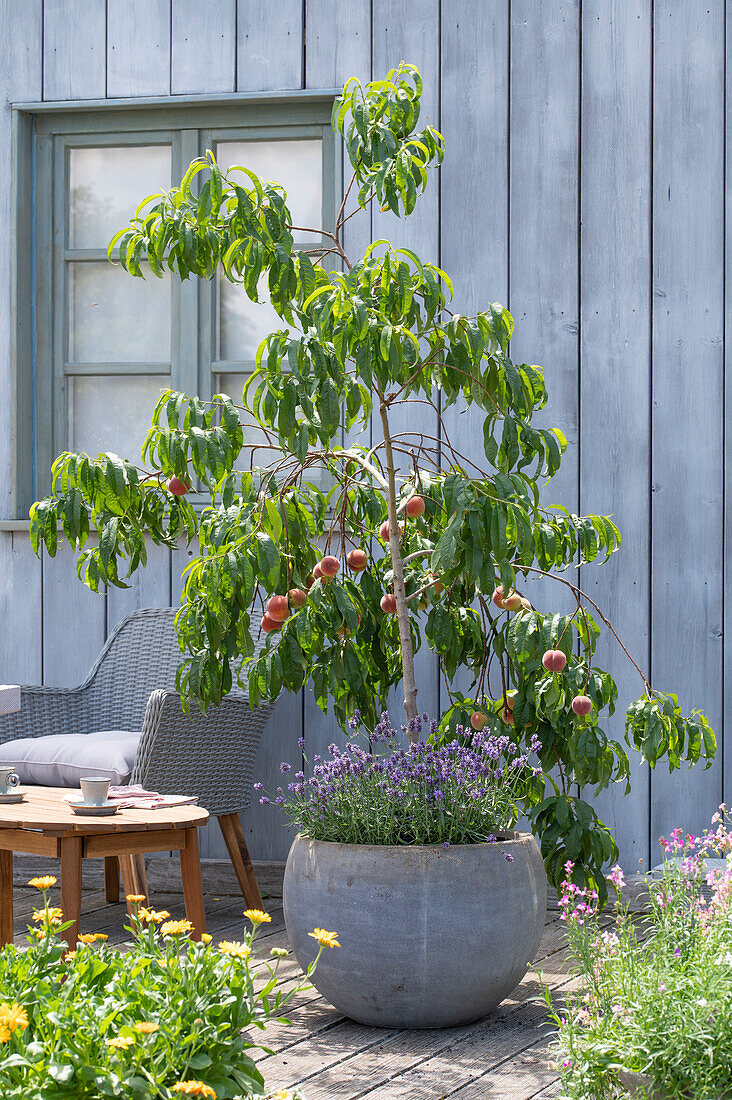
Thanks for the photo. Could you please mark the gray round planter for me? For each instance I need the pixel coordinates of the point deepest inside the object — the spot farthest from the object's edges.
(430, 936)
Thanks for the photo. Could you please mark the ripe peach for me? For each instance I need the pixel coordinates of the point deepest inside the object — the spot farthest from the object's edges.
(554, 660)
(177, 487)
(268, 624)
(297, 597)
(278, 608)
(309, 582)
(384, 531)
(526, 605)
(329, 566)
(356, 560)
(478, 720)
(317, 573)
(581, 704)
(507, 716)
(497, 596)
(512, 601)
(388, 604)
(414, 507)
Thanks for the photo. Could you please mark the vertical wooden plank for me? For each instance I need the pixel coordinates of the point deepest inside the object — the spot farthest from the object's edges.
(73, 622)
(6, 898)
(150, 587)
(20, 78)
(410, 31)
(338, 47)
(74, 49)
(138, 47)
(270, 45)
(473, 231)
(543, 275)
(20, 610)
(203, 46)
(726, 677)
(265, 828)
(615, 357)
(688, 284)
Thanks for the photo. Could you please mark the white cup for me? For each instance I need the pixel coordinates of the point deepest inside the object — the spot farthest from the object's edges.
(8, 779)
(94, 790)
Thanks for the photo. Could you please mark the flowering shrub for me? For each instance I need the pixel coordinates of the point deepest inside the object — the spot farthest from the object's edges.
(158, 1022)
(463, 792)
(656, 995)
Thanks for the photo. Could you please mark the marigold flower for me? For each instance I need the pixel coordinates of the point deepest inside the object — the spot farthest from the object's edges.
(50, 915)
(4, 1033)
(42, 882)
(146, 1027)
(176, 927)
(325, 939)
(13, 1016)
(235, 949)
(257, 916)
(206, 937)
(92, 937)
(281, 1094)
(152, 916)
(70, 956)
(120, 1042)
(195, 1088)
(135, 899)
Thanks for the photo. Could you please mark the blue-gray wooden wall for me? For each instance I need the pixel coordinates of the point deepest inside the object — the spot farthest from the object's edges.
(584, 186)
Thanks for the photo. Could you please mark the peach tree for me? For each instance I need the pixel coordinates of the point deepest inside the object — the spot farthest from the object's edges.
(411, 544)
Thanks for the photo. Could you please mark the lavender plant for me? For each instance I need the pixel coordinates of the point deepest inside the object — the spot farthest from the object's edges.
(464, 792)
(654, 1009)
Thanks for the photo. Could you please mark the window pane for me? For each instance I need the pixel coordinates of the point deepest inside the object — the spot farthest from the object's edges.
(112, 413)
(297, 165)
(105, 186)
(244, 324)
(114, 318)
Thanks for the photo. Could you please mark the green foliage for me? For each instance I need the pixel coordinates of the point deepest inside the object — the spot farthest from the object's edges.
(75, 1009)
(377, 331)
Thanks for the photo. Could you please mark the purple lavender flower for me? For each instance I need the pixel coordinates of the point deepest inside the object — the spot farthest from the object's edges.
(508, 857)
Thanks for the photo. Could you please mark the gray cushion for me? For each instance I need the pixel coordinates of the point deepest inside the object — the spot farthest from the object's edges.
(62, 759)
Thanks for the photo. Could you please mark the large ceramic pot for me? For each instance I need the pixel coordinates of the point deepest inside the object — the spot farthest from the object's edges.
(430, 936)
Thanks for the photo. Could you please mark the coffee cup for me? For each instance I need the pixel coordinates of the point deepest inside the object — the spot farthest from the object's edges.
(8, 779)
(94, 789)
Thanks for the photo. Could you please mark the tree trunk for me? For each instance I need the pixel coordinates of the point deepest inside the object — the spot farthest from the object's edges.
(402, 610)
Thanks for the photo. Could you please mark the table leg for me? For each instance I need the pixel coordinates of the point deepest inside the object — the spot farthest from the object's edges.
(190, 867)
(111, 879)
(71, 847)
(130, 879)
(239, 855)
(6, 898)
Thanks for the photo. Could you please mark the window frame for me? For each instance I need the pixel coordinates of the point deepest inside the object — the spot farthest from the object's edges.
(42, 135)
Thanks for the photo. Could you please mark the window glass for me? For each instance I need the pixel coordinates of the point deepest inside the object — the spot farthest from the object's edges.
(105, 186)
(296, 164)
(111, 412)
(114, 318)
(243, 323)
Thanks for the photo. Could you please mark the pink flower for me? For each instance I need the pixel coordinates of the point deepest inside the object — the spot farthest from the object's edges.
(567, 1063)
(616, 877)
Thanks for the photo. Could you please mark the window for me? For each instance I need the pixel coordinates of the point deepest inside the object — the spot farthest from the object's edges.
(95, 347)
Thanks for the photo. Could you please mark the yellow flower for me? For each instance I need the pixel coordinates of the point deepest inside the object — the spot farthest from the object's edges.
(325, 939)
(152, 916)
(206, 937)
(256, 916)
(176, 927)
(146, 1027)
(92, 937)
(50, 915)
(120, 1042)
(235, 949)
(4, 1033)
(70, 956)
(13, 1016)
(134, 899)
(281, 1094)
(195, 1088)
(42, 882)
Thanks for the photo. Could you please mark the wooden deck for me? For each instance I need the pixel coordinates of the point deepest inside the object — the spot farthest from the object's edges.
(503, 1057)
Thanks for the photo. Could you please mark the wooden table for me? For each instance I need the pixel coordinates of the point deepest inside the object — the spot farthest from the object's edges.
(45, 825)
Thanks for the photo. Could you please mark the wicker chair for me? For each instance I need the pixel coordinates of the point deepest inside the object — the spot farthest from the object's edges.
(131, 687)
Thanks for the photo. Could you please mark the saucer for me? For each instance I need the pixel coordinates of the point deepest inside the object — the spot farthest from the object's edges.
(12, 798)
(105, 810)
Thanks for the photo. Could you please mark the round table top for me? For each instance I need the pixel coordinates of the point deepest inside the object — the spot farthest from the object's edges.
(45, 810)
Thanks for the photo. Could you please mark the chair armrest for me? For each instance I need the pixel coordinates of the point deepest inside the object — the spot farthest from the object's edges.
(44, 710)
(211, 755)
